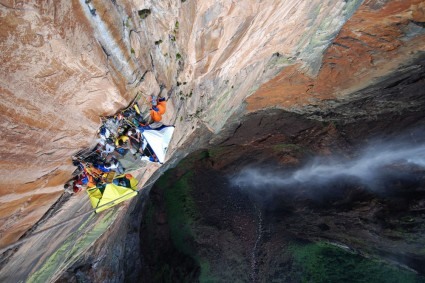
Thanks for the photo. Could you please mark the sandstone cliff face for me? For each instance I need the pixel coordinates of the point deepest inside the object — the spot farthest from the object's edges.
(64, 63)
(378, 39)
(196, 225)
(48, 88)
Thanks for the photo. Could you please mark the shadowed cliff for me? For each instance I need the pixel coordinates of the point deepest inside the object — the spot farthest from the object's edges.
(208, 219)
(65, 63)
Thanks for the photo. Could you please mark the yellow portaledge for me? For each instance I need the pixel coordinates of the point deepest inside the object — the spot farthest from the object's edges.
(117, 201)
(102, 198)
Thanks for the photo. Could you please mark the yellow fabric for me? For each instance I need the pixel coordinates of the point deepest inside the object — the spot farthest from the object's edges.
(95, 195)
(123, 138)
(137, 109)
(109, 177)
(112, 195)
(133, 182)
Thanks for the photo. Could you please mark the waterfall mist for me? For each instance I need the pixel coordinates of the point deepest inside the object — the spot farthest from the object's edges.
(373, 165)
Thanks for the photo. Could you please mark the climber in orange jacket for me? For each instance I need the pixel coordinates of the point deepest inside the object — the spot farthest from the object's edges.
(93, 174)
(158, 108)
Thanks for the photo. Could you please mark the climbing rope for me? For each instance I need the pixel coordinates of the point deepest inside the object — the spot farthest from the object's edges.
(62, 223)
(79, 156)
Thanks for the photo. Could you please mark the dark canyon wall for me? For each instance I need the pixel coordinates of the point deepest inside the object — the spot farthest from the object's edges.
(64, 63)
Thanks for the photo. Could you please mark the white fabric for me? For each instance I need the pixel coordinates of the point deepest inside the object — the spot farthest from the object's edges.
(159, 141)
(144, 144)
(107, 133)
(145, 158)
(101, 140)
(109, 148)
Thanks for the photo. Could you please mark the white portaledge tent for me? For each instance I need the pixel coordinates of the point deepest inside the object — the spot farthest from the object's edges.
(158, 139)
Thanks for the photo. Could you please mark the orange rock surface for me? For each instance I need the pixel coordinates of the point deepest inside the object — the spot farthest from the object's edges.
(372, 44)
(55, 83)
(63, 65)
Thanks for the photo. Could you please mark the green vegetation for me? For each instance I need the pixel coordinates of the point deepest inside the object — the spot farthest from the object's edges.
(217, 152)
(181, 211)
(76, 244)
(178, 56)
(144, 13)
(127, 22)
(206, 275)
(158, 42)
(182, 215)
(176, 28)
(132, 51)
(187, 162)
(298, 262)
(182, 83)
(322, 262)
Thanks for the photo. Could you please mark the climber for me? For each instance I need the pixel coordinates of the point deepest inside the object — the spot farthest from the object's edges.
(134, 135)
(159, 106)
(127, 142)
(109, 147)
(77, 183)
(123, 181)
(122, 145)
(105, 168)
(104, 134)
(115, 165)
(92, 181)
(162, 105)
(148, 153)
(93, 174)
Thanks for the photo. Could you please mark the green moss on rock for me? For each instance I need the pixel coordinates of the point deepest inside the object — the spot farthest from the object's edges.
(322, 262)
(181, 212)
(144, 13)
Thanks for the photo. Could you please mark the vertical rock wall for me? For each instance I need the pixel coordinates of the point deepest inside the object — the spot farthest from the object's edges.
(55, 82)
(64, 63)
(67, 62)
(381, 37)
